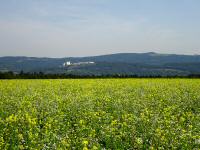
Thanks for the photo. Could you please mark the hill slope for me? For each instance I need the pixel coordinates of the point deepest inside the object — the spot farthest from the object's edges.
(122, 63)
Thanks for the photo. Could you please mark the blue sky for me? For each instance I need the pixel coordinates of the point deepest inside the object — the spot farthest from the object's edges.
(62, 28)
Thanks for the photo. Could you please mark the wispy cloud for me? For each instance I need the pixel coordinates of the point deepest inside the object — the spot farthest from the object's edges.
(90, 27)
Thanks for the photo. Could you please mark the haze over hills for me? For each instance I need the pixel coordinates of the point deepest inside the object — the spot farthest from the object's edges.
(122, 63)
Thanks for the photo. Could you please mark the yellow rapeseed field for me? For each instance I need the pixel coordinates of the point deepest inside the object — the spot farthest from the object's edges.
(100, 114)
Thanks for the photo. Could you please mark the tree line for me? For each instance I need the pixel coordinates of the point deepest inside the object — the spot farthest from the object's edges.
(41, 75)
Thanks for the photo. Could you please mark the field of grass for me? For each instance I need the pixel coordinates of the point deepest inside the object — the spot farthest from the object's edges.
(100, 114)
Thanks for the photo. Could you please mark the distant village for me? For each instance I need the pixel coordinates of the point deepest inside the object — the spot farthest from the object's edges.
(68, 63)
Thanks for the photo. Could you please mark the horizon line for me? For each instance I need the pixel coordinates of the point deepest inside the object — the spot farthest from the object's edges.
(150, 52)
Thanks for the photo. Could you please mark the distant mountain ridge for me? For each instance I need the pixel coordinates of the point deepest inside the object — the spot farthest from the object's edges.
(122, 63)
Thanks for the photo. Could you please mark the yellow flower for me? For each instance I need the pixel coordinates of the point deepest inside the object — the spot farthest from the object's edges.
(65, 143)
(11, 118)
(139, 140)
(21, 147)
(85, 148)
(94, 148)
(124, 123)
(81, 122)
(85, 143)
(20, 136)
(114, 122)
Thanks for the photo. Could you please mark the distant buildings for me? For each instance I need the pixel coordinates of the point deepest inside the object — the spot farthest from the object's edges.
(68, 63)
(65, 64)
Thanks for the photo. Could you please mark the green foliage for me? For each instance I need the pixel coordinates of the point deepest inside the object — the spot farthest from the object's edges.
(139, 64)
(100, 114)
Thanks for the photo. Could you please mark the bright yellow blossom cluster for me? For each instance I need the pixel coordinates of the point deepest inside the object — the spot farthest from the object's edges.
(94, 114)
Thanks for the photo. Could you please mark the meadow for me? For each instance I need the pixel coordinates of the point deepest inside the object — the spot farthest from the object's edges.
(100, 114)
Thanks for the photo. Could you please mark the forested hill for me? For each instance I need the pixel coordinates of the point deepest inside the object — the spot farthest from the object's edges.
(122, 63)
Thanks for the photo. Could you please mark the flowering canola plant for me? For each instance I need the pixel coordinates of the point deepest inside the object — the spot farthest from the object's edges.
(100, 114)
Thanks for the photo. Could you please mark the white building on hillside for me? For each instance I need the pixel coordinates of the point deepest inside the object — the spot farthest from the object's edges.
(68, 63)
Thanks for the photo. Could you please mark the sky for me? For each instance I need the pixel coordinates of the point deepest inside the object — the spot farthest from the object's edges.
(64, 28)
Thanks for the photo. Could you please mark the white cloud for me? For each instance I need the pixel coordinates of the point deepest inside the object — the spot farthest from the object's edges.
(77, 28)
